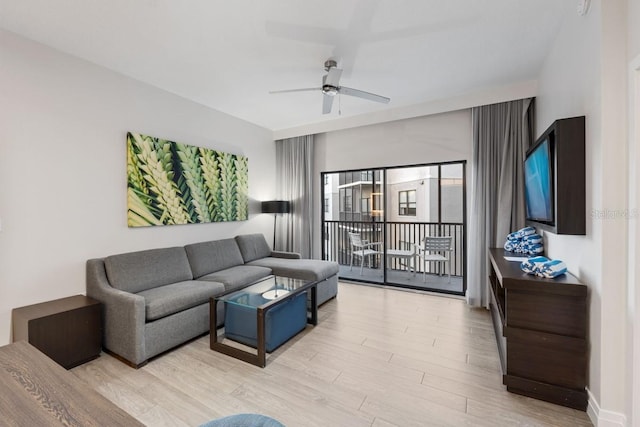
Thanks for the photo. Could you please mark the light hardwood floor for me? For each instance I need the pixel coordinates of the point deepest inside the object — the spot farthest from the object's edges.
(378, 357)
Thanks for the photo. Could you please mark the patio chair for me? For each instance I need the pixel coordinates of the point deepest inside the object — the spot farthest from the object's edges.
(435, 249)
(362, 248)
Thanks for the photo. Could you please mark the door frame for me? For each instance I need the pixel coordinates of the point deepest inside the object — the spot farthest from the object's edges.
(633, 261)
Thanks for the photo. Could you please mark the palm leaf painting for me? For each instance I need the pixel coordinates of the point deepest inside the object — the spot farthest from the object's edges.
(174, 183)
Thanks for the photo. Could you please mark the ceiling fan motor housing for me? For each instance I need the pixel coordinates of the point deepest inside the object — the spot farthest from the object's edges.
(330, 63)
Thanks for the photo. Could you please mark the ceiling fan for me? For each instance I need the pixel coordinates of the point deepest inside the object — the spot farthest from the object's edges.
(331, 87)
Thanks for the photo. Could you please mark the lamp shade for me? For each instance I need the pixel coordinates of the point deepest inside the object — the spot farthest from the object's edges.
(276, 206)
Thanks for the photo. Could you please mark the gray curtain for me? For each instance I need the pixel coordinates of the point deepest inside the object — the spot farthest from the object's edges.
(502, 133)
(294, 166)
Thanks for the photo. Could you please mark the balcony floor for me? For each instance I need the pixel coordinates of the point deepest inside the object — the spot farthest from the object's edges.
(403, 278)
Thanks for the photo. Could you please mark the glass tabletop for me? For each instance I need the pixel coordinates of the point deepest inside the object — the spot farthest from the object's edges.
(265, 291)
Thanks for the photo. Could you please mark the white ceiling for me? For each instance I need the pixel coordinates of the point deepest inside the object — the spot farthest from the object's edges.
(228, 54)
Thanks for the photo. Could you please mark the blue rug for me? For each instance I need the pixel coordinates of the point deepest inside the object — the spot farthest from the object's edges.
(244, 420)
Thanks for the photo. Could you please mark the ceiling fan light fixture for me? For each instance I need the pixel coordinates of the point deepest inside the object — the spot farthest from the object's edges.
(330, 90)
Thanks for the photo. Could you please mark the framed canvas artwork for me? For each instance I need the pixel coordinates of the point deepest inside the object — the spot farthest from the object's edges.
(173, 183)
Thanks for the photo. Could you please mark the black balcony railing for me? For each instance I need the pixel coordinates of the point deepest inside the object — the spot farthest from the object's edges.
(399, 235)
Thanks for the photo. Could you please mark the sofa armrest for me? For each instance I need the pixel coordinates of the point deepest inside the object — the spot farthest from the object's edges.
(282, 254)
(123, 315)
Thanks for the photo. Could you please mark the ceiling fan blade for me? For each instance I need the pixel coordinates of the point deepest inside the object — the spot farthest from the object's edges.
(306, 89)
(362, 94)
(327, 101)
(333, 78)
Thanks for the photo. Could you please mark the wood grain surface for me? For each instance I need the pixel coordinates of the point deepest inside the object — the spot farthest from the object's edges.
(36, 391)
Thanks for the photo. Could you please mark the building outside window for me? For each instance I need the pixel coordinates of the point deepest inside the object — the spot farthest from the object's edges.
(347, 202)
(364, 205)
(407, 203)
(326, 205)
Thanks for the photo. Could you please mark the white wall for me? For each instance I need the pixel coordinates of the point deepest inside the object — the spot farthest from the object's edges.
(63, 169)
(435, 138)
(585, 74)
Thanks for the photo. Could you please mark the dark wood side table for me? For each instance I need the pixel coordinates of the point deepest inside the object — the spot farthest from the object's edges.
(68, 330)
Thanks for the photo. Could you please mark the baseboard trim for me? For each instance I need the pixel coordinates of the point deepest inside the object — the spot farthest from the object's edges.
(601, 417)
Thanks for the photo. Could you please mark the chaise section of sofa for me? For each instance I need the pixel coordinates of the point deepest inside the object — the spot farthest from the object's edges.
(256, 252)
(151, 302)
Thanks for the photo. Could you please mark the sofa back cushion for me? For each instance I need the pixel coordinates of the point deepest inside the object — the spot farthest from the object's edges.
(139, 271)
(216, 255)
(253, 246)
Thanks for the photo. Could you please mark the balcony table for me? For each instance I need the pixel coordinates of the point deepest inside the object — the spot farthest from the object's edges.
(406, 255)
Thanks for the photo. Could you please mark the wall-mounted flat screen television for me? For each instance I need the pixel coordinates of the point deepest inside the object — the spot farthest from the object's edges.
(538, 183)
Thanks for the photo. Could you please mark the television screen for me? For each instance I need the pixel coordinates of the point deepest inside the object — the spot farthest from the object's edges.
(538, 183)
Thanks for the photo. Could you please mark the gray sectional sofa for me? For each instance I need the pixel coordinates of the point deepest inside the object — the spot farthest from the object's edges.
(157, 299)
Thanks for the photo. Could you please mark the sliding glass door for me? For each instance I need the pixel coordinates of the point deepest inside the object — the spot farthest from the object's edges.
(389, 212)
(353, 223)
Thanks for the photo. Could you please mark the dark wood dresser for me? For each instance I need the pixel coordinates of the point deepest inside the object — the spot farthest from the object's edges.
(68, 330)
(541, 331)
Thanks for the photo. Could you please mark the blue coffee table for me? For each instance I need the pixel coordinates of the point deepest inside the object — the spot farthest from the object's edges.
(264, 316)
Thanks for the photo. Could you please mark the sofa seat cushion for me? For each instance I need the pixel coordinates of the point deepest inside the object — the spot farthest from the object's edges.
(216, 255)
(238, 277)
(305, 269)
(169, 299)
(138, 271)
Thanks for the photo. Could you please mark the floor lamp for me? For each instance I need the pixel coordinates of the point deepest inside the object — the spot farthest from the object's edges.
(276, 207)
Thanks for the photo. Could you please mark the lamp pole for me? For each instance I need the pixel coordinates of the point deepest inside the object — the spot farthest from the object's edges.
(275, 217)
